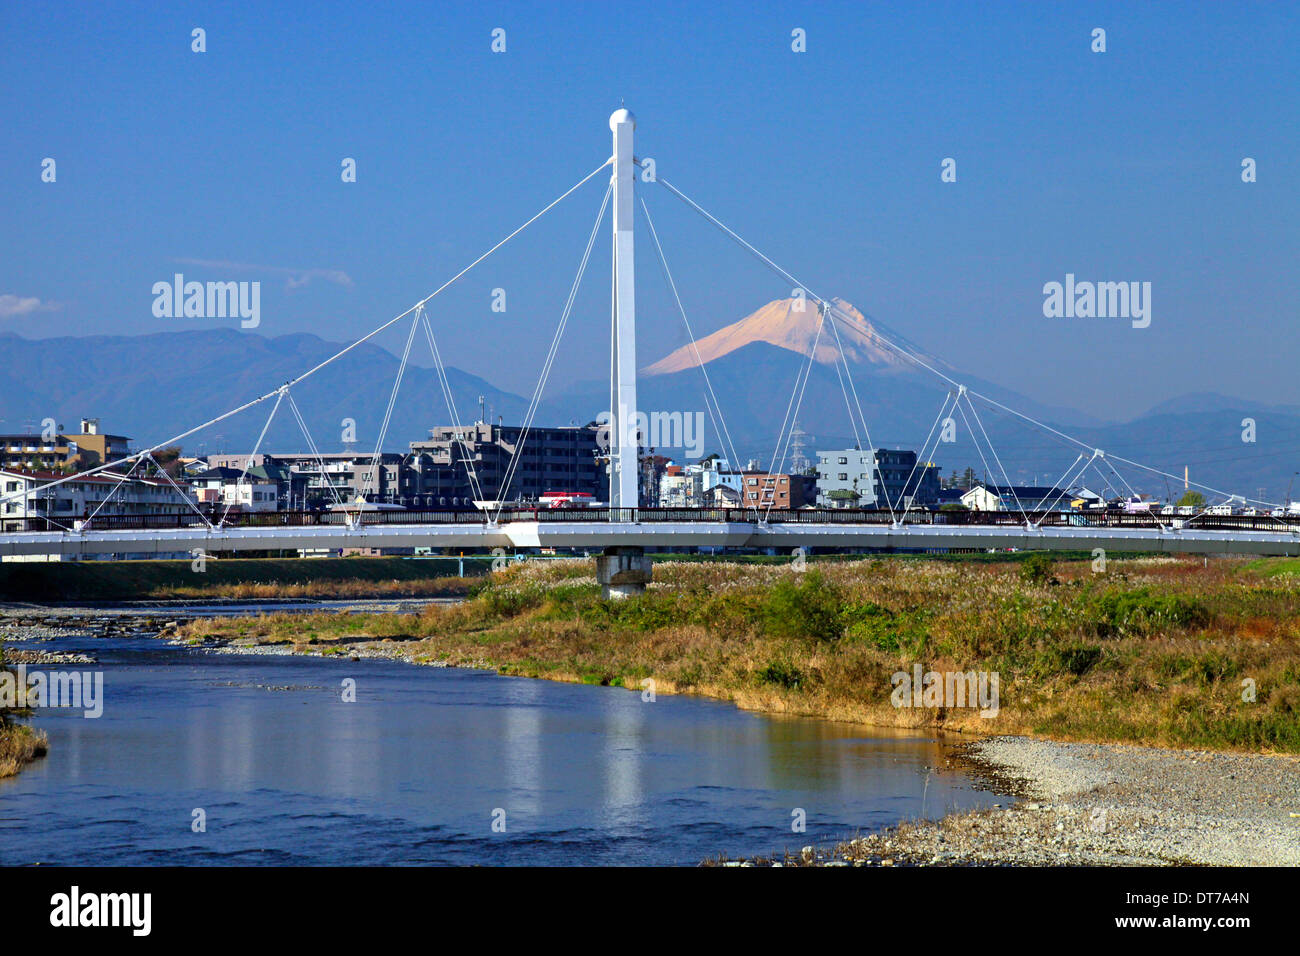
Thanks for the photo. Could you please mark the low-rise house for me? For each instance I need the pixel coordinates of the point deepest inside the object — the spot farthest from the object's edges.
(983, 497)
(681, 488)
(230, 488)
(722, 496)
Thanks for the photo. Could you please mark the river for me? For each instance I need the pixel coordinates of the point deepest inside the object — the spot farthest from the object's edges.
(436, 766)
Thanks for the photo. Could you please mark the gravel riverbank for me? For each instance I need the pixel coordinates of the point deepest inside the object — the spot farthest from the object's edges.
(1101, 805)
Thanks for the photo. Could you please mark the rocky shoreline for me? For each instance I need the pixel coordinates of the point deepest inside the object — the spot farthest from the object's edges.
(1097, 805)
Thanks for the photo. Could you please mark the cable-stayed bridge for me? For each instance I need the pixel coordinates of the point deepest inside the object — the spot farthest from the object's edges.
(623, 529)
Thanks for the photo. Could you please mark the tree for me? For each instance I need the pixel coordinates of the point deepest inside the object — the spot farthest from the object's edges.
(168, 459)
(1191, 499)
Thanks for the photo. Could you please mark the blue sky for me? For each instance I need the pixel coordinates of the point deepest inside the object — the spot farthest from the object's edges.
(1122, 166)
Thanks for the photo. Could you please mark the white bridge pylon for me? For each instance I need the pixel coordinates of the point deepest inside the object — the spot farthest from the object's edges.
(624, 447)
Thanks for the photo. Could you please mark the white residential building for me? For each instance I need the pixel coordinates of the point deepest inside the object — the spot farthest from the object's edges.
(105, 492)
(31, 494)
(845, 479)
(231, 488)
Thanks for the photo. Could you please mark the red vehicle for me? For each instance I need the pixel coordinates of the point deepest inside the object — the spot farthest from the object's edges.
(568, 499)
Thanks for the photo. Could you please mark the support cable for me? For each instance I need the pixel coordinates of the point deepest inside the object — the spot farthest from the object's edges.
(281, 392)
(337, 355)
(798, 404)
(476, 487)
(723, 432)
(893, 517)
(535, 401)
(1060, 487)
(121, 480)
(311, 446)
(924, 456)
(373, 474)
(1005, 477)
(987, 470)
(910, 356)
(184, 494)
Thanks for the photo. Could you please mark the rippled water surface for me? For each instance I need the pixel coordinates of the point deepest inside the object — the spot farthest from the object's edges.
(416, 770)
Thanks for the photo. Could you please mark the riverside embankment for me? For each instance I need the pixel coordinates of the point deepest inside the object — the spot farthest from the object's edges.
(1152, 652)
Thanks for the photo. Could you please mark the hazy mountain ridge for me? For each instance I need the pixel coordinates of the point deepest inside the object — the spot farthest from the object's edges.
(152, 387)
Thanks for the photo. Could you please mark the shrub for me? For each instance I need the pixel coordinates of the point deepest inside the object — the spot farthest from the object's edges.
(1076, 659)
(782, 673)
(810, 608)
(871, 624)
(1140, 611)
(510, 602)
(1037, 569)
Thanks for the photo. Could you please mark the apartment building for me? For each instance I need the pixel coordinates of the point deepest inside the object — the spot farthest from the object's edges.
(761, 490)
(63, 450)
(681, 487)
(95, 447)
(547, 459)
(885, 477)
(304, 481)
(845, 479)
(436, 473)
(32, 494)
(903, 481)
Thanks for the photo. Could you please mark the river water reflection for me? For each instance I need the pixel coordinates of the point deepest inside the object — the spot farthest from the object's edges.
(417, 769)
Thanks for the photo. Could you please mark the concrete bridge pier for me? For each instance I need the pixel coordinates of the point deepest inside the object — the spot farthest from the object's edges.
(622, 572)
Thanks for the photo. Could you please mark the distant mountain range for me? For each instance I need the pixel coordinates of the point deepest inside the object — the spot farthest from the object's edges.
(154, 386)
(151, 387)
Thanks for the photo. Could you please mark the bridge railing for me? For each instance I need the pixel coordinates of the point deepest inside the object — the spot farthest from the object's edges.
(822, 516)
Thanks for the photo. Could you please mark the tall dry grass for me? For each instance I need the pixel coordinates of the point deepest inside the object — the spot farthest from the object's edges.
(1158, 651)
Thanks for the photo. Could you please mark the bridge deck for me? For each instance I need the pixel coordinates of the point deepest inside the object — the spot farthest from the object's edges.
(1282, 539)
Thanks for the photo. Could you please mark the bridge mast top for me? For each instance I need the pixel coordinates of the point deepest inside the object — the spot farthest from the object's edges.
(624, 438)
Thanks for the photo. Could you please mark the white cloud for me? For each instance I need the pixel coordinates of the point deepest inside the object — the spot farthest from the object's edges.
(294, 278)
(11, 305)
